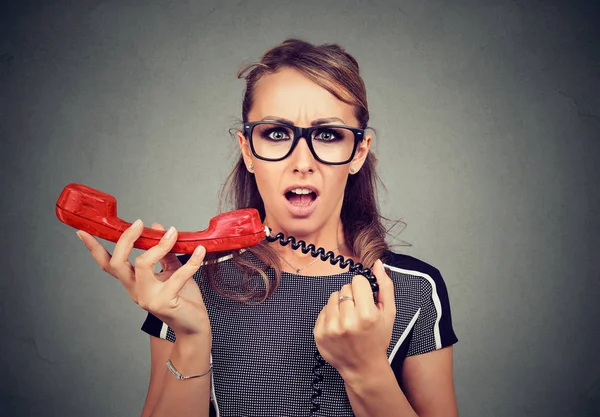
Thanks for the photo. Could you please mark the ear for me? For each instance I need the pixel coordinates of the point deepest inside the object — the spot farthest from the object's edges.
(246, 151)
(361, 155)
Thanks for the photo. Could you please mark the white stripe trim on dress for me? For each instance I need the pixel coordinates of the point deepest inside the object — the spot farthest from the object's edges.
(221, 259)
(163, 331)
(434, 296)
(213, 395)
(404, 335)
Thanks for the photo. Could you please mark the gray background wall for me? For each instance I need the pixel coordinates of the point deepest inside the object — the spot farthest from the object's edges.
(488, 117)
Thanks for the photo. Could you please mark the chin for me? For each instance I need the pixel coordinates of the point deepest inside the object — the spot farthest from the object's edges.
(298, 228)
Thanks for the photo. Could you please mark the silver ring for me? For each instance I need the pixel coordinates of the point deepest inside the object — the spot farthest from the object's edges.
(346, 297)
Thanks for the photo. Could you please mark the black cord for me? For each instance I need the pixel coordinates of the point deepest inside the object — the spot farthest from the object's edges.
(314, 252)
(354, 267)
(317, 392)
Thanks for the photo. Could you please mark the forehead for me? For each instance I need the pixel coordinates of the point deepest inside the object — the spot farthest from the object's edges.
(287, 93)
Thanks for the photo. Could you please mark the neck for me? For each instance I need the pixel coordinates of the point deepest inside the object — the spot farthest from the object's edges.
(330, 237)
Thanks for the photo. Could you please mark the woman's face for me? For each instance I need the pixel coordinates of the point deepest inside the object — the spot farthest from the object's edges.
(287, 94)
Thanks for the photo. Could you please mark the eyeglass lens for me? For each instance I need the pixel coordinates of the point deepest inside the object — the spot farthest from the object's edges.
(330, 144)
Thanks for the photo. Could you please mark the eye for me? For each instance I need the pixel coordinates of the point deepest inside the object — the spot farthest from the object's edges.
(276, 134)
(272, 133)
(327, 135)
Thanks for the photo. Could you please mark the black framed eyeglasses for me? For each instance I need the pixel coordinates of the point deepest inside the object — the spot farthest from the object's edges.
(329, 144)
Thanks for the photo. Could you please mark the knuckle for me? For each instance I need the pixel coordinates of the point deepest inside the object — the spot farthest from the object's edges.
(348, 325)
(112, 263)
(335, 330)
(140, 262)
(368, 318)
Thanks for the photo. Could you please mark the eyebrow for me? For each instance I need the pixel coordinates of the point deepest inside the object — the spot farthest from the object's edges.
(316, 122)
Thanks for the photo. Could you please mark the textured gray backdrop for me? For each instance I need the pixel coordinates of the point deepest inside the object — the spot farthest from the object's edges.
(488, 116)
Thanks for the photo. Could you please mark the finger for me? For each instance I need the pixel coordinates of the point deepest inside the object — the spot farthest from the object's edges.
(363, 295)
(385, 297)
(99, 253)
(331, 312)
(345, 306)
(176, 282)
(170, 262)
(119, 261)
(145, 262)
(319, 323)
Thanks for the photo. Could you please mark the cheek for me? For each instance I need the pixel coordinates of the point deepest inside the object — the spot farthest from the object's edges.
(266, 180)
(337, 183)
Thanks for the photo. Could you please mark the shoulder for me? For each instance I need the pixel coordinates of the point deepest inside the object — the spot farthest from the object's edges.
(420, 283)
(412, 268)
(421, 286)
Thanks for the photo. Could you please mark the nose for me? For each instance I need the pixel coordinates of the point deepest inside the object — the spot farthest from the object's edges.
(302, 158)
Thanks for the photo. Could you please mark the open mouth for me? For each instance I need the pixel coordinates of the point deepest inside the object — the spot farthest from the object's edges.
(301, 197)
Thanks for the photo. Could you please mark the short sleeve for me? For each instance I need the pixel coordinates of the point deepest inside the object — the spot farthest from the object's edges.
(433, 329)
(155, 327)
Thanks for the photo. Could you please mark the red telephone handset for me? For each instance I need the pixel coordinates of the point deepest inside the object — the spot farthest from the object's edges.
(95, 212)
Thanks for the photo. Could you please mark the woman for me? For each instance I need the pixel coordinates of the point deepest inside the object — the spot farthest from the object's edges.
(246, 326)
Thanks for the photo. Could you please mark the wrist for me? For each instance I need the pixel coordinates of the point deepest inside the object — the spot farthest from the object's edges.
(191, 354)
(367, 376)
(190, 340)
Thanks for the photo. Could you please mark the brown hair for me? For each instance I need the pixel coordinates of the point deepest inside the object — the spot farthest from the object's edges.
(332, 68)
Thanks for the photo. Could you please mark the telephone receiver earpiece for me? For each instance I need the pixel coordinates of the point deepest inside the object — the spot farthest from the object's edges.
(95, 212)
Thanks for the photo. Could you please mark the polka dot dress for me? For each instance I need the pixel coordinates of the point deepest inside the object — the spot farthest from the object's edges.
(262, 354)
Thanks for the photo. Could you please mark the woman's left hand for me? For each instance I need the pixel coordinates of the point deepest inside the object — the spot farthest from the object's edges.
(351, 334)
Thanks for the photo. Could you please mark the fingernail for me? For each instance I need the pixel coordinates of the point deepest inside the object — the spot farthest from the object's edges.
(136, 223)
(197, 252)
(79, 236)
(169, 233)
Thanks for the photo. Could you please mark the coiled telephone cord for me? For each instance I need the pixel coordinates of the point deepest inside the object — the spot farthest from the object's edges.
(354, 267)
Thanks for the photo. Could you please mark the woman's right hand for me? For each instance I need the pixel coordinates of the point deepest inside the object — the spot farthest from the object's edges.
(171, 295)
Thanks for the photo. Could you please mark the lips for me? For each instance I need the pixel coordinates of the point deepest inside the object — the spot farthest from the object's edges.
(301, 199)
(302, 186)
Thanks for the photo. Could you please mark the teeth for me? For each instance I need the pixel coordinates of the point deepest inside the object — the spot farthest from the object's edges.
(301, 191)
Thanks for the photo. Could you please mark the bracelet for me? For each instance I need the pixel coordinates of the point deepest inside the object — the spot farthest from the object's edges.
(178, 374)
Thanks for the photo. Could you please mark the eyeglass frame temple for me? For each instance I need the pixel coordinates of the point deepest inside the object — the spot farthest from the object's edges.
(306, 133)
